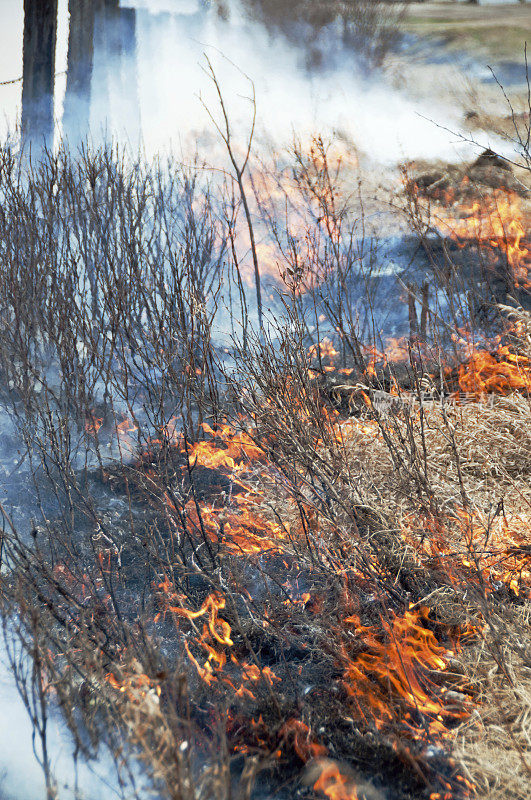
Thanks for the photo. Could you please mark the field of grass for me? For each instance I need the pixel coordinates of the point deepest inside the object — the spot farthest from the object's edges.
(498, 31)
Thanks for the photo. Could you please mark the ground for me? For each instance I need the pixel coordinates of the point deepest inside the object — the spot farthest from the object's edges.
(494, 31)
(456, 54)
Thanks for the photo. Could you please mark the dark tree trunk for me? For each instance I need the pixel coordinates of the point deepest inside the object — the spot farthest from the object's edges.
(40, 31)
(115, 46)
(76, 117)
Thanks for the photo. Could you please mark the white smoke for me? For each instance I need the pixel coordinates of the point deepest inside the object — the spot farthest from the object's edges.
(149, 94)
(380, 121)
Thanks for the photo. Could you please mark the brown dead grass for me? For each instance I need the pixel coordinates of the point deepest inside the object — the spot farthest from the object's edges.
(495, 742)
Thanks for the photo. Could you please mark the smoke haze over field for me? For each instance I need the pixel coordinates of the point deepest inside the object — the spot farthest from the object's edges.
(146, 77)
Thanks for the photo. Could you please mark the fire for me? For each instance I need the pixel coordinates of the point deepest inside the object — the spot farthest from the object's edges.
(134, 684)
(236, 522)
(79, 586)
(333, 783)
(397, 668)
(324, 351)
(495, 222)
(227, 448)
(385, 668)
(499, 373)
(395, 350)
(214, 603)
(237, 451)
(124, 431)
(470, 549)
(93, 424)
(242, 528)
(301, 737)
(307, 197)
(216, 631)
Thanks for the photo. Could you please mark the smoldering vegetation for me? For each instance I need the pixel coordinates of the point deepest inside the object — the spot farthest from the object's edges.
(287, 559)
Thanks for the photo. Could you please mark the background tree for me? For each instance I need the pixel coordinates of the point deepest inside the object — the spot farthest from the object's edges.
(40, 34)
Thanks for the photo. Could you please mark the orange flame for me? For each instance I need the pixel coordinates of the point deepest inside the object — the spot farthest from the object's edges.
(216, 631)
(124, 430)
(242, 530)
(93, 424)
(468, 548)
(135, 686)
(219, 629)
(238, 449)
(333, 783)
(499, 373)
(495, 222)
(301, 736)
(397, 667)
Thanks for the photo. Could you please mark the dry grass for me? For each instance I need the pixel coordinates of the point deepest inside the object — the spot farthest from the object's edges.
(495, 743)
(437, 482)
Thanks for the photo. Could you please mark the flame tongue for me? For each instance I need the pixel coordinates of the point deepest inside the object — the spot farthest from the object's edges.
(396, 670)
(494, 223)
(333, 783)
(486, 373)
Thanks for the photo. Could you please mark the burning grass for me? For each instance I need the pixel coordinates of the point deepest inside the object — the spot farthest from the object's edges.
(495, 223)
(300, 566)
(405, 592)
(483, 208)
